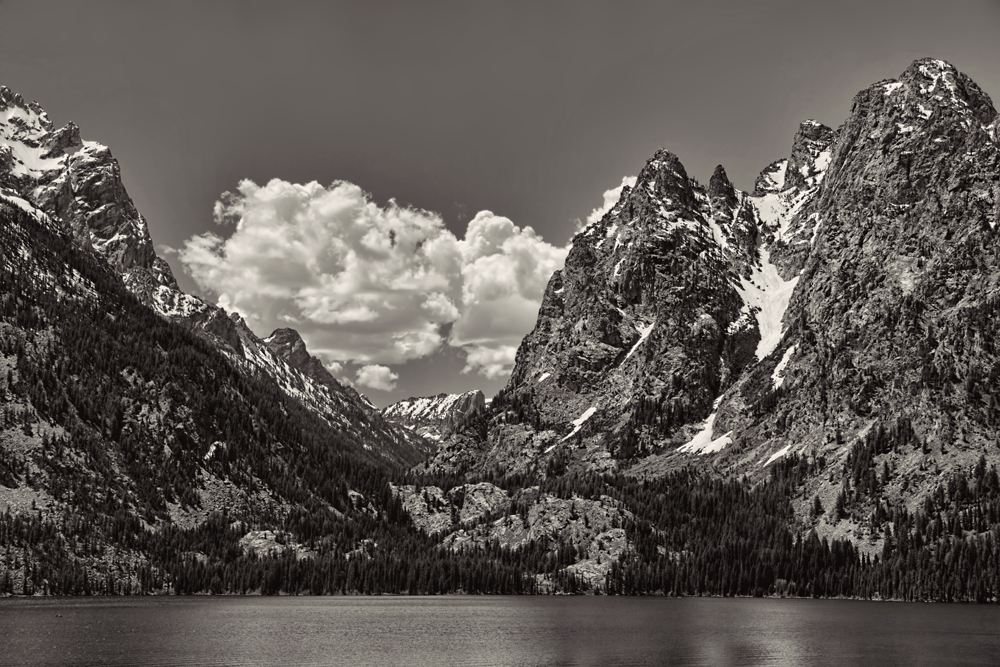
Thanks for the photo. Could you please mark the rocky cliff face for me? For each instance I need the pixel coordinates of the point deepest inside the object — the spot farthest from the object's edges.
(891, 325)
(473, 516)
(433, 417)
(852, 291)
(75, 186)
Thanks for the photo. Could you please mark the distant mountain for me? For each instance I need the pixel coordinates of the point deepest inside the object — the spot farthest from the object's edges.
(435, 416)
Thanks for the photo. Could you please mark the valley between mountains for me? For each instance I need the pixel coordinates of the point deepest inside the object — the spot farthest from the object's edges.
(790, 392)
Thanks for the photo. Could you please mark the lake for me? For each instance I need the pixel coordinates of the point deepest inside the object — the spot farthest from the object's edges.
(441, 631)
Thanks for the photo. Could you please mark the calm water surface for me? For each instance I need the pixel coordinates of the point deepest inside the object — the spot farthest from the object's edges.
(443, 631)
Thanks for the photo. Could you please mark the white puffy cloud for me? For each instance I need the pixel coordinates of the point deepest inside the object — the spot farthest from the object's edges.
(376, 377)
(611, 198)
(493, 362)
(504, 274)
(373, 285)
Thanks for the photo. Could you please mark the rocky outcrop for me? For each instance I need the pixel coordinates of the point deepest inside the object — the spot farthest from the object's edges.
(481, 515)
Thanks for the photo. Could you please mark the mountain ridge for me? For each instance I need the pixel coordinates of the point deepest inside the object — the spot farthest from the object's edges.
(434, 417)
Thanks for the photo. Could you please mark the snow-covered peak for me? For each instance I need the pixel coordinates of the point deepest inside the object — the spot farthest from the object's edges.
(19, 118)
(429, 407)
(434, 416)
(929, 87)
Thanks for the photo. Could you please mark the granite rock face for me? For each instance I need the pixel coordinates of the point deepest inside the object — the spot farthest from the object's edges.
(77, 185)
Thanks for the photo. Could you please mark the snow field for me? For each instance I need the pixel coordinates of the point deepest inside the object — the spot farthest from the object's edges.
(769, 295)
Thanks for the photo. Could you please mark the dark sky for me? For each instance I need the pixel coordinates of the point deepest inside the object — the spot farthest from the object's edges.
(530, 110)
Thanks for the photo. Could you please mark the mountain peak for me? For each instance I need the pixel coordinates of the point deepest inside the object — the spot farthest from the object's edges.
(721, 188)
(810, 154)
(929, 85)
(285, 337)
(662, 162)
(32, 118)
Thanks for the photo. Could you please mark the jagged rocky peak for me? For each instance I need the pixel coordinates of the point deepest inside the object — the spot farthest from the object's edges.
(932, 132)
(27, 119)
(771, 179)
(288, 344)
(435, 416)
(804, 168)
(941, 84)
(810, 155)
(77, 186)
(721, 190)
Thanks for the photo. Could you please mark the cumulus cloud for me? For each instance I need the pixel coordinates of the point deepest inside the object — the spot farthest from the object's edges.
(493, 362)
(504, 274)
(373, 285)
(376, 377)
(611, 198)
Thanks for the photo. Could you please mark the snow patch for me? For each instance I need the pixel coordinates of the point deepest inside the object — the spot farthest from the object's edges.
(25, 206)
(768, 295)
(822, 161)
(778, 376)
(543, 377)
(702, 442)
(578, 423)
(777, 455)
(770, 208)
(778, 176)
(170, 302)
(717, 233)
(643, 335)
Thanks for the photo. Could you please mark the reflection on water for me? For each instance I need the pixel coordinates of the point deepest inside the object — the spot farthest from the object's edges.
(492, 631)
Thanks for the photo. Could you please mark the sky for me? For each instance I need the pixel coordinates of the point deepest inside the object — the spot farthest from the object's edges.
(403, 178)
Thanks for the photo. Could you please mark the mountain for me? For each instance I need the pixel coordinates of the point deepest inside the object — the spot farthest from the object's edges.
(847, 302)
(433, 417)
(75, 186)
(150, 441)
